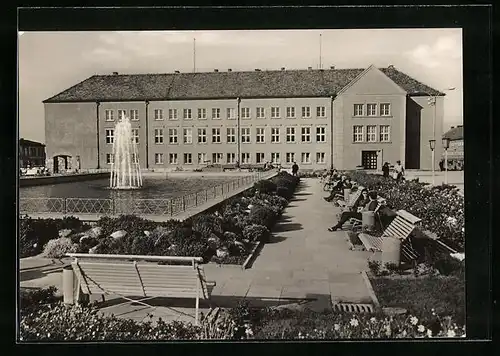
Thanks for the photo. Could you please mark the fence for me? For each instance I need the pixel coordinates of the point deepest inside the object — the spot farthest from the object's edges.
(168, 206)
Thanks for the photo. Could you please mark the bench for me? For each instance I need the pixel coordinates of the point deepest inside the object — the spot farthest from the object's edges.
(357, 223)
(401, 227)
(129, 276)
(353, 198)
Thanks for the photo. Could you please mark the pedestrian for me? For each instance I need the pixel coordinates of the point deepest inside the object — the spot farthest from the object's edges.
(441, 165)
(279, 167)
(385, 170)
(399, 171)
(295, 169)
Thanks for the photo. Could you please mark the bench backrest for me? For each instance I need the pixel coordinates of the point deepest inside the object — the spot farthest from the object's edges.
(353, 199)
(140, 276)
(402, 225)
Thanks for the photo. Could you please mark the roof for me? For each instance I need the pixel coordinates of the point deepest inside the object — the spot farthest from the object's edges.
(225, 85)
(455, 133)
(24, 142)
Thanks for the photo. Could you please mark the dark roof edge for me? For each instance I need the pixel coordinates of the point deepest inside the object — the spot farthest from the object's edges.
(71, 87)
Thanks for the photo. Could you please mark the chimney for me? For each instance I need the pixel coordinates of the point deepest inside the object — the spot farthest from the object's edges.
(257, 69)
(115, 73)
(282, 68)
(309, 68)
(216, 70)
(177, 72)
(332, 67)
(229, 70)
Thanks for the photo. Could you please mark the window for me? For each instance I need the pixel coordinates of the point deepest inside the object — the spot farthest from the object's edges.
(158, 158)
(320, 111)
(110, 136)
(216, 158)
(245, 113)
(188, 136)
(290, 134)
(320, 157)
(121, 114)
(261, 114)
(385, 109)
(358, 109)
(371, 109)
(215, 113)
(275, 157)
(216, 135)
(159, 136)
(202, 135)
(110, 158)
(172, 158)
(135, 158)
(231, 158)
(275, 134)
(321, 134)
(306, 111)
(202, 157)
(260, 135)
(245, 134)
(290, 157)
(172, 136)
(187, 114)
(306, 157)
(202, 114)
(231, 113)
(245, 158)
(290, 112)
(135, 136)
(231, 135)
(109, 115)
(134, 115)
(357, 133)
(371, 133)
(259, 157)
(275, 112)
(306, 134)
(385, 133)
(158, 114)
(188, 158)
(172, 114)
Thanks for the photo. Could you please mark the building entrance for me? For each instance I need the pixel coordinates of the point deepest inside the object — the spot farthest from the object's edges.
(369, 159)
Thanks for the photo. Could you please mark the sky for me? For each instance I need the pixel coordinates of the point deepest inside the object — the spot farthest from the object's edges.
(50, 62)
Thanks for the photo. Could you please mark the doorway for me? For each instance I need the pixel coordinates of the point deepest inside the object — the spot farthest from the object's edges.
(369, 159)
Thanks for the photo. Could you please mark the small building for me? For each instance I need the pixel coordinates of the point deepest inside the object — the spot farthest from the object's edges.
(31, 153)
(456, 149)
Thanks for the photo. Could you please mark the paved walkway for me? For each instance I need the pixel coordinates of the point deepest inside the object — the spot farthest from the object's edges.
(304, 264)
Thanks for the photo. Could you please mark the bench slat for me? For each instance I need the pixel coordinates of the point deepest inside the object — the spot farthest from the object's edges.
(409, 217)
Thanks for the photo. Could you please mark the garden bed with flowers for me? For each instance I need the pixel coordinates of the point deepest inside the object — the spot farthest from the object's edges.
(227, 236)
(44, 318)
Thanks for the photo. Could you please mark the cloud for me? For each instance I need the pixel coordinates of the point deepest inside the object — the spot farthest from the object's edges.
(438, 54)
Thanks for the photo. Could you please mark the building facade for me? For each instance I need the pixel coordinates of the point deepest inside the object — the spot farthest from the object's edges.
(317, 118)
(31, 154)
(456, 149)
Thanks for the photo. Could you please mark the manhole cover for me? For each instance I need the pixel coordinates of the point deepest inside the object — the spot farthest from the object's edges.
(353, 308)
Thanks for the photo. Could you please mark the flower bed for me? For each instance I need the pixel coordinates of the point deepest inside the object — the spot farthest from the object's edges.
(45, 320)
(441, 208)
(227, 235)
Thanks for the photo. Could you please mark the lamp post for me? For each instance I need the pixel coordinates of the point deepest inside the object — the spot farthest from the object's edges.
(446, 145)
(432, 145)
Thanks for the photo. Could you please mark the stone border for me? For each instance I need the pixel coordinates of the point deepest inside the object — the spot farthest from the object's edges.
(251, 258)
(371, 292)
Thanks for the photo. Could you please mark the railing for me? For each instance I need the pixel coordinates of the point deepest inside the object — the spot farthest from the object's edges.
(170, 206)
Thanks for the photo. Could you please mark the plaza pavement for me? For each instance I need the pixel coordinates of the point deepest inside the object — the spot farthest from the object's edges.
(303, 265)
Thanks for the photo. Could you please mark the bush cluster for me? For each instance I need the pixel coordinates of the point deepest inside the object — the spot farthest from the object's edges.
(441, 208)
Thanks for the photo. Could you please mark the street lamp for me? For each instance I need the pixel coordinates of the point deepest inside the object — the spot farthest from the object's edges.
(432, 145)
(446, 145)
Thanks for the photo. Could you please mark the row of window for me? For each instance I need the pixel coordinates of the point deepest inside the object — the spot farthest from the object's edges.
(187, 113)
(217, 158)
(32, 151)
(384, 133)
(216, 135)
(371, 109)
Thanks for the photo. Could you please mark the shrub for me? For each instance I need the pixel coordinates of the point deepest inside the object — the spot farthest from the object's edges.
(256, 233)
(261, 215)
(58, 248)
(374, 267)
(447, 265)
(30, 299)
(132, 224)
(284, 192)
(207, 224)
(265, 186)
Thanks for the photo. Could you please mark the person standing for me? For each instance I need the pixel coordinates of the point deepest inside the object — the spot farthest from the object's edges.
(295, 169)
(399, 170)
(385, 170)
(441, 165)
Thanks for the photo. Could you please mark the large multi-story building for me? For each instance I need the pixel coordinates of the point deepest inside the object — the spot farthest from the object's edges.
(318, 118)
(31, 153)
(456, 149)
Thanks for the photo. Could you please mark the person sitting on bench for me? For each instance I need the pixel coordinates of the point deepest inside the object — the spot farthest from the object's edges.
(346, 215)
(344, 183)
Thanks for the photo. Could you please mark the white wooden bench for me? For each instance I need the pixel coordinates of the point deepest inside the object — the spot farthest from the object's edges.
(129, 276)
(401, 227)
(357, 223)
(353, 198)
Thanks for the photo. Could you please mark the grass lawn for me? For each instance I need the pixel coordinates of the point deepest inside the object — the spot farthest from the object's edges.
(446, 295)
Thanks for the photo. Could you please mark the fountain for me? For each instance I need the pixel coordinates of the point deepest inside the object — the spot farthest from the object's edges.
(125, 169)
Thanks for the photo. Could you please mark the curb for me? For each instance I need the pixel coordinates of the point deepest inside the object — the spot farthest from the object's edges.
(250, 259)
(371, 292)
